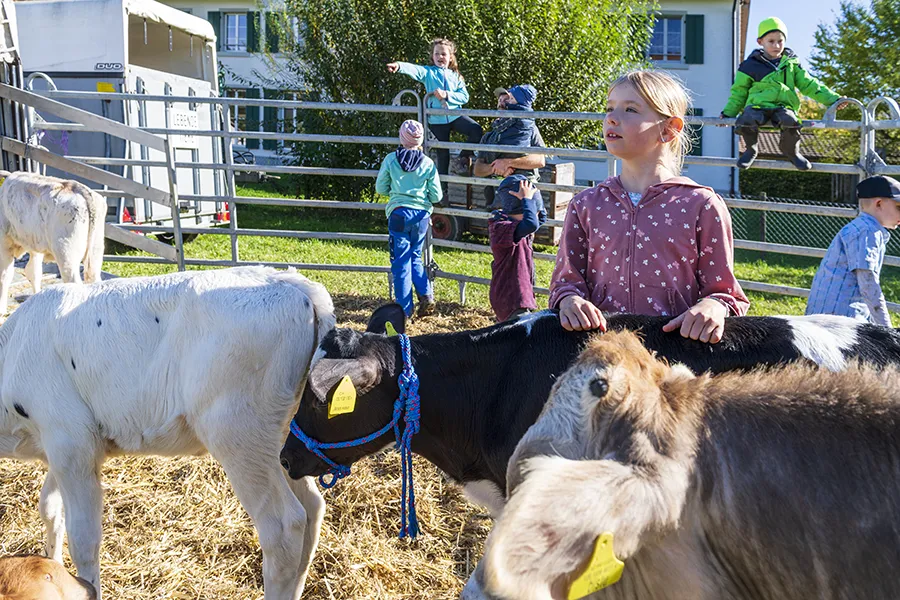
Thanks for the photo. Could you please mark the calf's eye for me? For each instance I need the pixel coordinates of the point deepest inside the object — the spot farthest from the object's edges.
(599, 387)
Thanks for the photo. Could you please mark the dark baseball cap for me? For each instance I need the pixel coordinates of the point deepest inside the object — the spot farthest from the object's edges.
(879, 186)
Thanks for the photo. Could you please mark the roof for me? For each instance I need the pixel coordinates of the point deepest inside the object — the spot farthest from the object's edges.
(160, 13)
(813, 147)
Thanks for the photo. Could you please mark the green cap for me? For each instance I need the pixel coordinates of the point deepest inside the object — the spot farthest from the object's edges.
(772, 24)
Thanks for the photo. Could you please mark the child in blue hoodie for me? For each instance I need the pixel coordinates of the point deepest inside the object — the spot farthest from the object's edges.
(411, 181)
(450, 92)
(510, 231)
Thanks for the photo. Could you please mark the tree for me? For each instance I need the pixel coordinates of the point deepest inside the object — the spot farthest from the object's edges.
(569, 49)
(859, 57)
(860, 54)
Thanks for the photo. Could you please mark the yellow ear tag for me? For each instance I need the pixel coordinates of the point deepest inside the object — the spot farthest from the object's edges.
(389, 329)
(344, 398)
(603, 570)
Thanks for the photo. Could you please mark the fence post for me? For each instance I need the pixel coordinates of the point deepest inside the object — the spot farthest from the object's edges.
(872, 160)
(762, 219)
(867, 141)
(229, 182)
(173, 185)
(173, 197)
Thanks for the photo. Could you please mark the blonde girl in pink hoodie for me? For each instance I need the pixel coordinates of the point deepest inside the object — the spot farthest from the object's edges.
(648, 241)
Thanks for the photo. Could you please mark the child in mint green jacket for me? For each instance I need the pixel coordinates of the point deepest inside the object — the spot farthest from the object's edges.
(449, 91)
(410, 180)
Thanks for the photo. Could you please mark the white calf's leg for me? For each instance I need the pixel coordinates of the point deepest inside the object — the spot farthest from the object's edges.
(76, 468)
(50, 507)
(310, 497)
(34, 270)
(67, 259)
(7, 269)
(238, 442)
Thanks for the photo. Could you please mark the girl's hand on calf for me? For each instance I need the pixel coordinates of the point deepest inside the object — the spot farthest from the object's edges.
(578, 314)
(705, 321)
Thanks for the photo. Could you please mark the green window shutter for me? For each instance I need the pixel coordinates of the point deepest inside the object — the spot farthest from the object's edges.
(252, 119)
(252, 31)
(693, 39)
(696, 132)
(215, 19)
(270, 119)
(272, 31)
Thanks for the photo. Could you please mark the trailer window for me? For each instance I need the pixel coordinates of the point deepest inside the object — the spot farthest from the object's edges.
(236, 32)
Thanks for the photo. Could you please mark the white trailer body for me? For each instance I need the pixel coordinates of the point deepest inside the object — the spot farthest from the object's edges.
(139, 47)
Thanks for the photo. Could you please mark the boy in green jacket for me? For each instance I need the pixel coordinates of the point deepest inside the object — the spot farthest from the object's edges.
(765, 90)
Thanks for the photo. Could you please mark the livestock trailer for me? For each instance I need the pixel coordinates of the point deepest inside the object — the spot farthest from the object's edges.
(138, 47)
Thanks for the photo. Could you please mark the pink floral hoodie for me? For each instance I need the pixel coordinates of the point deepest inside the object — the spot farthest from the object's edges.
(657, 258)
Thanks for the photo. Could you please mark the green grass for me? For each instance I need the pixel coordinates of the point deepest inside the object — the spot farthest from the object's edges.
(782, 269)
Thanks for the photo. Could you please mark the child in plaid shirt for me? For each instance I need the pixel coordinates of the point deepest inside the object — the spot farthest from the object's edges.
(847, 280)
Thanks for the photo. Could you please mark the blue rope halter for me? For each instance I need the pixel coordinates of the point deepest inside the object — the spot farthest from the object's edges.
(406, 405)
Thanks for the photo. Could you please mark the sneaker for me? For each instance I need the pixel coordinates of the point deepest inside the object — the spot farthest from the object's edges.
(799, 161)
(426, 306)
(747, 157)
(461, 165)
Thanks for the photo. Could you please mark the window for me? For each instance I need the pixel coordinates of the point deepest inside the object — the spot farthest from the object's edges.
(667, 40)
(235, 32)
(238, 114)
(287, 120)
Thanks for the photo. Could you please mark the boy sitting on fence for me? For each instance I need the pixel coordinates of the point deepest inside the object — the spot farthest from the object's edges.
(847, 280)
(521, 213)
(411, 181)
(765, 90)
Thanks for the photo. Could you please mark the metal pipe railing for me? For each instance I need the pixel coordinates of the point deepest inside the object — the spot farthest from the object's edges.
(867, 125)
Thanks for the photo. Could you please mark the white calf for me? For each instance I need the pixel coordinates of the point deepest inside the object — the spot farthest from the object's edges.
(170, 365)
(48, 216)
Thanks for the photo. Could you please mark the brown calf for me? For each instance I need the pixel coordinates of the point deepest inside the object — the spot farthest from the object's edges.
(39, 578)
(781, 483)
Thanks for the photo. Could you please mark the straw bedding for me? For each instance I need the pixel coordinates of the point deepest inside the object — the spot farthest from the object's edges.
(174, 529)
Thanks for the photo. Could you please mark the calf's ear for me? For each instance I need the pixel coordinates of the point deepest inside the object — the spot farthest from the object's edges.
(364, 372)
(389, 313)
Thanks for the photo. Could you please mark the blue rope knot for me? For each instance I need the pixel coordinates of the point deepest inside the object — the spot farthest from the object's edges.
(406, 405)
(409, 392)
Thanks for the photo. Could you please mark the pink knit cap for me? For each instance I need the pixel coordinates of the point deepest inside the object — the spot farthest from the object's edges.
(411, 134)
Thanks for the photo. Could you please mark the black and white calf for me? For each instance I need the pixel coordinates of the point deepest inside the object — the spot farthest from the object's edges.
(481, 390)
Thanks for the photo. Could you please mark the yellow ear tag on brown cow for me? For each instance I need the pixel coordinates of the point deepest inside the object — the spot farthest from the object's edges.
(603, 570)
(389, 329)
(344, 398)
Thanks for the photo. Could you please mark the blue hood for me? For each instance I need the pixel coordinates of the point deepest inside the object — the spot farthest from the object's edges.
(409, 159)
(524, 94)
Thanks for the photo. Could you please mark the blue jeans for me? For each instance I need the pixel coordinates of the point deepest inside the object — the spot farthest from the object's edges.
(407, 228)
